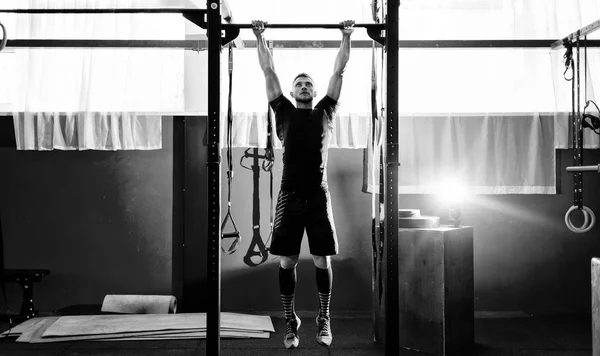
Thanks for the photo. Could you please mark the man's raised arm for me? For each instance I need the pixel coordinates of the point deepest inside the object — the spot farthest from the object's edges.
(335, 83)
(266, 62)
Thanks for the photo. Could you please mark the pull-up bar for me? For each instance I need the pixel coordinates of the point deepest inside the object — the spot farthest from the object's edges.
(373, 29)
(376, 26)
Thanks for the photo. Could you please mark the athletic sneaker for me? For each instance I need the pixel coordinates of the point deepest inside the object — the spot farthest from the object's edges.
(291, 339)
(324, 336)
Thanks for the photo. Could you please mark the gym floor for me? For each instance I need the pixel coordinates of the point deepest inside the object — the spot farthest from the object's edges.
(547, 335)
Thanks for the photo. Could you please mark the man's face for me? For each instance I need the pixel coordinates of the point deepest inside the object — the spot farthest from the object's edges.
(303, 90)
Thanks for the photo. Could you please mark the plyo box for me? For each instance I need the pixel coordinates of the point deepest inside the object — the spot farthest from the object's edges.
(436, 301)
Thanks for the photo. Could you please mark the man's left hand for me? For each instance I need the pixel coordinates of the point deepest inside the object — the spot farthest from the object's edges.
(348, 27)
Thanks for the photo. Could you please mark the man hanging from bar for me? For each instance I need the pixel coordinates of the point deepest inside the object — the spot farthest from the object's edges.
(304, 201)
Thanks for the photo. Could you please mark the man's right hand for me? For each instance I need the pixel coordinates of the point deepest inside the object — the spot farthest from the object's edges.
(258, 27)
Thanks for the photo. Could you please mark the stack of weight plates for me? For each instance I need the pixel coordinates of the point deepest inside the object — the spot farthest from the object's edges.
(411, 218)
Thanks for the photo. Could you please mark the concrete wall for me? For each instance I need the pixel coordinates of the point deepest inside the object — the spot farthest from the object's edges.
(100, 221)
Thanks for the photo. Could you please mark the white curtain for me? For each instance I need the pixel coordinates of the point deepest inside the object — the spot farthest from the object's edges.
(490, 154)
(87, 131)
(492, 117)
(101, 98)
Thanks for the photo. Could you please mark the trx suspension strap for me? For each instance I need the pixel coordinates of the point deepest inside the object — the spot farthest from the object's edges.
(270, 161)
(381, 206)
(231, 234)
(256, 247)
(267, 165)
(377, 228)
(382, 127)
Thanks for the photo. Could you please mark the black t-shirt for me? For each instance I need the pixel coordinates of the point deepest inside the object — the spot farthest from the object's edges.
(305, 135)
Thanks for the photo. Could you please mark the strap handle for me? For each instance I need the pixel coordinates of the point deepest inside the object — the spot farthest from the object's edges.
(568, 60)
(252, 253)
(235, 234)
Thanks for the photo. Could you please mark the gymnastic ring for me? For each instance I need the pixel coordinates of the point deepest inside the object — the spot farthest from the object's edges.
(586, 219)
(589, 219)
(3, 43)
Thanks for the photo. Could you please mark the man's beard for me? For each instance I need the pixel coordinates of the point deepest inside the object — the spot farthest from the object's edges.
(304, 99)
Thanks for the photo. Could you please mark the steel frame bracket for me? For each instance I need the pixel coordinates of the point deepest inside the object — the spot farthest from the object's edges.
(199, 19)
(376, 35)
(229, 34)
(196, 17)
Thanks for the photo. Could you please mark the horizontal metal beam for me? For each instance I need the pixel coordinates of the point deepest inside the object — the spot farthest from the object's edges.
(194, 45)
(194, 15)
(103, 11)
(201, 44)
(582, 32)
(305, 25)
(483, 44)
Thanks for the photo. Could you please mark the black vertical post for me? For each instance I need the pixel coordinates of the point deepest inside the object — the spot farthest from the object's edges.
(213, 320)
(178, 230)
(392, 346)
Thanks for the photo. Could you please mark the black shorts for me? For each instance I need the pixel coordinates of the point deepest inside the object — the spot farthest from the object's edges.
(297, 211)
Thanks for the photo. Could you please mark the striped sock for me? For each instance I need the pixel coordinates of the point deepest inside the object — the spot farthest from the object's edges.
(324, 283)
(287, 287)
(288, 306)
(324, 299)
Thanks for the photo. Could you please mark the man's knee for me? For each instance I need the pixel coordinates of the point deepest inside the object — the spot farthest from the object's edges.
(288, 262)
(322, 261)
